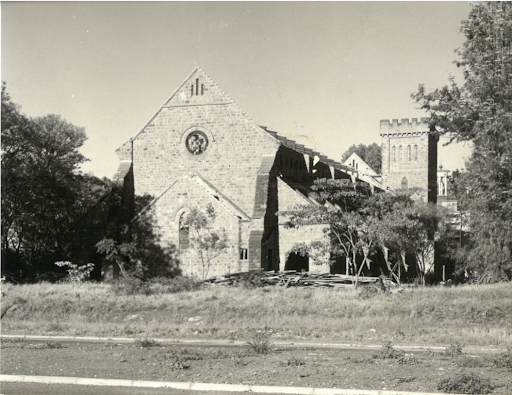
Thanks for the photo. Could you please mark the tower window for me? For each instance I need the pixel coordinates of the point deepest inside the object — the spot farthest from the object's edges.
(243, 253)
(415, 152)
(409, 156)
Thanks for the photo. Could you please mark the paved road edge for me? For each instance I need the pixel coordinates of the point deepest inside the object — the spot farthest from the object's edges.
(201, 386)
(233, 343)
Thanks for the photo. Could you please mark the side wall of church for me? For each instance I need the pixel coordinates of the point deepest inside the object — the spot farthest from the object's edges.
(289, 237)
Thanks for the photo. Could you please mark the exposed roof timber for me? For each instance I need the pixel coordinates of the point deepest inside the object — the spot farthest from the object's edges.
(301, 148)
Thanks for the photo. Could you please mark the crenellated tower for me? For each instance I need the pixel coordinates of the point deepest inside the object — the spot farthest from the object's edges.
(409, 156)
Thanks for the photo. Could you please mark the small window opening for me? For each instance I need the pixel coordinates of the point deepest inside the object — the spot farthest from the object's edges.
(405, 184)
(415, 152)
(202, 89)
(191, 90)
(243, 253)
(184, 233)
(197, 86)
(409, 156)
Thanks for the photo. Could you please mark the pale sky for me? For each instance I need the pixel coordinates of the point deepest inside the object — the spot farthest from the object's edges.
(323, 73)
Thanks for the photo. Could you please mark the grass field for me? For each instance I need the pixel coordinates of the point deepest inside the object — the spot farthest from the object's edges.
(437, 316)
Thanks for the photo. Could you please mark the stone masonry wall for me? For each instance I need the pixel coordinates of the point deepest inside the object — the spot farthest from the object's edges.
(184, 195)
(231, 160)
(288, 237)
(409, 152)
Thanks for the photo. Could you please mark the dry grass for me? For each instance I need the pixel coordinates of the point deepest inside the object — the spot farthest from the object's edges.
(469, 315)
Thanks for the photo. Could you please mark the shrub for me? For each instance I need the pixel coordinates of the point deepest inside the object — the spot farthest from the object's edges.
(50, 346)
(144, 343)
(130, 286)
(250, 279)
(76, 274)
(465, 384)
(388, 352)
(294, 361)
(174, 285)
(407, 360)
(455, 350)
(261, 342)
(368, 291)
(470, 362)
(503, 360)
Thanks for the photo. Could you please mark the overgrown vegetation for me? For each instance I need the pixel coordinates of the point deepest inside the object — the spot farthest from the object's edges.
(466, 384)
(132, 245)
(359, 225)
(208, 242)
(480, 315)
(261, 342)
(43, 192)
(480, 111)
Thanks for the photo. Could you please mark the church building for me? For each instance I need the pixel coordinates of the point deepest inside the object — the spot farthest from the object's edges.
(200, 149)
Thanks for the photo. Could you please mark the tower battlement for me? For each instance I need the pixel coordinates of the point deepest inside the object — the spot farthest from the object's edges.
(406, 126)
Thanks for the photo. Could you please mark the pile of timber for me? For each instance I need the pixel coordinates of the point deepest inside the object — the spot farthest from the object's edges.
(292, 278)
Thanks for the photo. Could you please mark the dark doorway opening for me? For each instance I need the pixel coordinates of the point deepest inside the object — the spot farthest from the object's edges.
(297, 262)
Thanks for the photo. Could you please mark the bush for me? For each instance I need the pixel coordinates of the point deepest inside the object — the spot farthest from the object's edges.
(388, 352)
(294, 361)
(465, 384)
(250, 279)
(145, 343)
(471, 362)
(261, 342)
(130, 286)
(503, 360)
(407, 360)
(455, 350)
(174, 285)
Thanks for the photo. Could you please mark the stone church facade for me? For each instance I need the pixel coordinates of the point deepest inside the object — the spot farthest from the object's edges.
(200, 149)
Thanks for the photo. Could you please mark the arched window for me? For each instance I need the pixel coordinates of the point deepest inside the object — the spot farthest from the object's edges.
(405, 184)
(394, 154)
(400, 153)
(184, 233)
(415, 152)
(409, 156)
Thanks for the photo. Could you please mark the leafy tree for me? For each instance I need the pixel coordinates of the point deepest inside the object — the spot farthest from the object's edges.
(347, 229)
(133, 245)
(207, 242)
(42, 190)
(357, 224)
(480, 111)
(413, 229)
(380, 208)
(371, 154)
